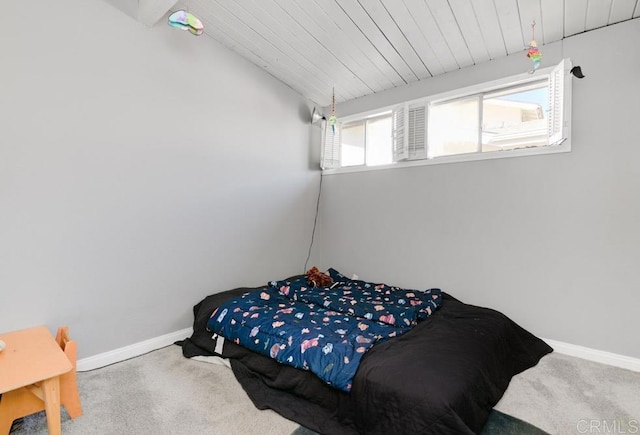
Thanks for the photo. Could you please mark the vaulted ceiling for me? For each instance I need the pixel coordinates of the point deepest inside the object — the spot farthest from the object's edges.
(361, 47)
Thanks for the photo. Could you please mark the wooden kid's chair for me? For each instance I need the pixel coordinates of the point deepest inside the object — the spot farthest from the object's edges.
(28, 400)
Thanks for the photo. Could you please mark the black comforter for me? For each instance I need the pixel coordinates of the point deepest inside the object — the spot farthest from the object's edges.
(442, 377)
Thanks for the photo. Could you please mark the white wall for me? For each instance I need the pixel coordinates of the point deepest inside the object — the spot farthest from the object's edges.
(141, 169)
(552, 241)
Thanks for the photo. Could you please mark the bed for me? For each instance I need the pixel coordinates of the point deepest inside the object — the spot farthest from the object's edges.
(441, 375)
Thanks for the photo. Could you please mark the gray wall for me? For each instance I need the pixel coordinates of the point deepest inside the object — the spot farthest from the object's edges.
(552, 241)
(141, 169)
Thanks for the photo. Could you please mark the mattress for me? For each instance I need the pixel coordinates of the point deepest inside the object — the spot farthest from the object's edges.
(443, 376)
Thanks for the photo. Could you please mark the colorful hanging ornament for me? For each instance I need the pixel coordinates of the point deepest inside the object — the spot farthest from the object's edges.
(533, 52)
(186, 21)
(332, 118)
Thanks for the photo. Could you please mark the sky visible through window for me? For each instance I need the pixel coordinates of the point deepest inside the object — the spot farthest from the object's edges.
(538, 96)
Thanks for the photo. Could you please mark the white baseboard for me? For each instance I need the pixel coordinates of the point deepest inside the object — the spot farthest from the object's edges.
(133, 350)
(600, 356)
(137, 349)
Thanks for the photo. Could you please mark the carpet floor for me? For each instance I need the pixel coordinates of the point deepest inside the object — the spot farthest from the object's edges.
(164, 393)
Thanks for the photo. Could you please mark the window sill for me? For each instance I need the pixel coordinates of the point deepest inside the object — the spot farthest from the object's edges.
(565, 147)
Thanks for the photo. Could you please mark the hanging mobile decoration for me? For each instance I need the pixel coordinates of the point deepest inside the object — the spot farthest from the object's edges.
(186, 21)
(332, 118)
(533, 52)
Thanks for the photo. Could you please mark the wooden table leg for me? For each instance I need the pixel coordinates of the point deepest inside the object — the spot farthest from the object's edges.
(51, 392)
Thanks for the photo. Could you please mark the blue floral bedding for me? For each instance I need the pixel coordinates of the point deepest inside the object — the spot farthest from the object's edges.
(325, 330)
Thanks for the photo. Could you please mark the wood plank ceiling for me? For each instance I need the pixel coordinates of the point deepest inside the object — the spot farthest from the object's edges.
(360, 47)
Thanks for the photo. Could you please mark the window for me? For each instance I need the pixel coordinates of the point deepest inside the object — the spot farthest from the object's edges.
(522, 115)
(366, 141)
(504, 119)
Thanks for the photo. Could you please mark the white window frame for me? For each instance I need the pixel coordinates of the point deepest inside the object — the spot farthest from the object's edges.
(331, 153)
(560, 122)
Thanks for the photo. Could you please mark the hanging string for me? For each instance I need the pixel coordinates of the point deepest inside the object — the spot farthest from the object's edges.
(332, 118)
(333, 100)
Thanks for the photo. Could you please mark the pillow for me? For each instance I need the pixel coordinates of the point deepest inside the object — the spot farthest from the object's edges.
(337, 276)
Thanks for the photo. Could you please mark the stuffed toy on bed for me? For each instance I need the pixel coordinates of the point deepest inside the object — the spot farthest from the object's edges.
(315, 278)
